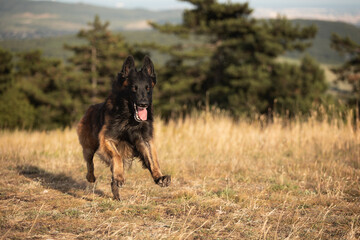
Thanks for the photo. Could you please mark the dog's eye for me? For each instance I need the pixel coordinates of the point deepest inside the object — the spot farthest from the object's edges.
(134, 88)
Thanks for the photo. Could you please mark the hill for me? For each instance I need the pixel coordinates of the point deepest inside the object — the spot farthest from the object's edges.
(321, 44)
(53, 46)
(23, 19)
(33, 19)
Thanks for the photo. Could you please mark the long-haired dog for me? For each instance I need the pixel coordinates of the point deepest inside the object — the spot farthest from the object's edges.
(121, 128)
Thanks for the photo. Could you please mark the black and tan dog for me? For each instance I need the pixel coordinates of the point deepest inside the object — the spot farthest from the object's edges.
(121, 128)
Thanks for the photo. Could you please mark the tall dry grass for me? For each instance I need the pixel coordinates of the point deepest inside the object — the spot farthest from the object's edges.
(230, 180)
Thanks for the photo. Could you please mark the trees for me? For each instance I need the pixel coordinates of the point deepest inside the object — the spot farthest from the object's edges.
(296, 88)
(99, 59)
(350, 70)
(241, 69)
(6, 68)
(178, 90)
(41, 93)
(36, 93)
(15, 108)
(230, 60)
(46, 86)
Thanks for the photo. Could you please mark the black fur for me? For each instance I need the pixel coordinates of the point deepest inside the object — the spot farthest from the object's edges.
(108, 127)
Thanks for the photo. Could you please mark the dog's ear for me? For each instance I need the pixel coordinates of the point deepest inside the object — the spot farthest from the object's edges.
(122, 77)
(129, 64)
(148, 68)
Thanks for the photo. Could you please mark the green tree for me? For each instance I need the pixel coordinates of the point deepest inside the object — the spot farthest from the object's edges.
(350, 71)
(40, 93)
(15, 109)
(178, 90)
(6, 68)
(241, 55)
(99, 59)
(47, 88)
(295, 89)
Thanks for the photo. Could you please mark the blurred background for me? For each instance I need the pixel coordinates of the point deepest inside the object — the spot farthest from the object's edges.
(282, 58)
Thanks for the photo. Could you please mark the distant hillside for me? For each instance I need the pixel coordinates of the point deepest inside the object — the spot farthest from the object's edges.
(321, 44)
(53, 46)
(21, 19)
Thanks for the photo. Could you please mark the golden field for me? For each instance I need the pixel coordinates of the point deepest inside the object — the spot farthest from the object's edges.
(230, 180)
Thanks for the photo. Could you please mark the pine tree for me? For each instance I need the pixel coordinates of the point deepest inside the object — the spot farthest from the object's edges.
(40, 93)
(295, 89)
(6, 68)
(15, 109)
(178, 90)
(45, 84)
(241, 52)
(350, 71)
(99, 59)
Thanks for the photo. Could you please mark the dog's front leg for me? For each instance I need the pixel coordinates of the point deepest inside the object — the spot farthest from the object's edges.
(109, 149)
(150, 160)
(117, 170)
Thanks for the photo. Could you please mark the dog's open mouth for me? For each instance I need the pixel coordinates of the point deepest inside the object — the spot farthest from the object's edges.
(140, 113)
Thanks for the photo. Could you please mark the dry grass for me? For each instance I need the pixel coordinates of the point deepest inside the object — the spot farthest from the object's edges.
(230, 181)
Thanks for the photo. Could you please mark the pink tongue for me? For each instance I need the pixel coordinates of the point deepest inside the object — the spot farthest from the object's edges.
(142, 113)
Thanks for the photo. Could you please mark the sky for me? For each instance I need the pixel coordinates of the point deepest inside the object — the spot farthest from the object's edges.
(335, 10)
(174, 4)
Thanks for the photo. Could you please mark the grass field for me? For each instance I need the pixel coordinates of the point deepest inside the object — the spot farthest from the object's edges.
(231, 180)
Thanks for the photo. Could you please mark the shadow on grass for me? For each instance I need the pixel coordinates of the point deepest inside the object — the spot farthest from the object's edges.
(60, 181)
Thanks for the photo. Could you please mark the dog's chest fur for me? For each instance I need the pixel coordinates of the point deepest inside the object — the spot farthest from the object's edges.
(122, 125)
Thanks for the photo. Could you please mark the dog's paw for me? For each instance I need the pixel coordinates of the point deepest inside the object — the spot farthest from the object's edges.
(163, 181)
(116, 194)
(90, 177)
(115, 188)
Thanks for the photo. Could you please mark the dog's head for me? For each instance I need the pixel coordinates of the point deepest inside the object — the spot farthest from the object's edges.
(138, 85)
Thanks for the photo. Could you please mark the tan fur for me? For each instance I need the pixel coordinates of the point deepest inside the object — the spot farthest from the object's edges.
(103, 127)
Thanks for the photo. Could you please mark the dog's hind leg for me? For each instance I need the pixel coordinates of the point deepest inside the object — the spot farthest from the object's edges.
(88, 142)
(88, 156)
(150, 161)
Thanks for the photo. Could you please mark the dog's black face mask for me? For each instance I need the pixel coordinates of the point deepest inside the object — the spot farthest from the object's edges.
(139, 85)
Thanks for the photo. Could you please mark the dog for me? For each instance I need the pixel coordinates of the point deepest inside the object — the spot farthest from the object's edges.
(121, 128)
